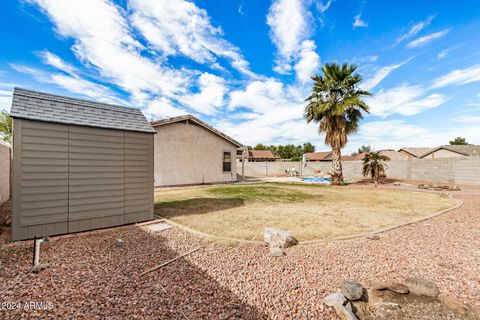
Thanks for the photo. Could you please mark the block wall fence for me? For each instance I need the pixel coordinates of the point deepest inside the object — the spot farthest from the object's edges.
(5, 154)
(464, 170)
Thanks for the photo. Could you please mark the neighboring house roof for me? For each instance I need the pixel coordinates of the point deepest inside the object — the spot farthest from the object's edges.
(317, 156)
(261, 154)
(393, 155)
(199, 122)
(466, 150)
(416, 152)
(346, 158)
(39, 106)
(356, 157)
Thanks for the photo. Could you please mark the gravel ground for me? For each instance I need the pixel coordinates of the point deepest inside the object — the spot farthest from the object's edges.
(88, 277)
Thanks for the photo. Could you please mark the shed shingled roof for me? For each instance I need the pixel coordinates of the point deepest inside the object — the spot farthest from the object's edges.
(39, 106)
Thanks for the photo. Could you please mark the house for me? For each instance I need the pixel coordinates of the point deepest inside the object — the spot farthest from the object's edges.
(78, 165)
(261, 155)
(189, 151)
(393, 154)
(452, 151)
(356, 157)
(414, 152)
(317, 156)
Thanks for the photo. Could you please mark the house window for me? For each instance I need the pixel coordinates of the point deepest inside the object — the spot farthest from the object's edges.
(227, 162)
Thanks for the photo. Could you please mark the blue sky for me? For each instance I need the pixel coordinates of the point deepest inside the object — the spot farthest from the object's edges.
(245, 65)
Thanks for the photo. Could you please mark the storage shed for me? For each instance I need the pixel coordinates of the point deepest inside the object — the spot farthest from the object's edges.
(78, 165)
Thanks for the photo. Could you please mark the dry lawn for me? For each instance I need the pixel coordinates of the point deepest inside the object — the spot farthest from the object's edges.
(308, 212)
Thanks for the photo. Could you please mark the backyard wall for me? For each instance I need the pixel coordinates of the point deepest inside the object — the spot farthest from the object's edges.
(454, 170)
(4, 172)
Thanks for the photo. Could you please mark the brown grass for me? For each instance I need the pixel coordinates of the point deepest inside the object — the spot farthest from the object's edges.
(308, 212)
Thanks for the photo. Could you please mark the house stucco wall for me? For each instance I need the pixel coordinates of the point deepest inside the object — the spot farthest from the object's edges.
(4, 172)
(443, 153)
(186, 153)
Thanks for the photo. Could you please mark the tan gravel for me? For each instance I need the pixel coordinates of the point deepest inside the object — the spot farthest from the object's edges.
(88, 277)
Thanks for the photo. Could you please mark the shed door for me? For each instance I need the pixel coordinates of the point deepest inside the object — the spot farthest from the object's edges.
(40, 184)
(96, 178)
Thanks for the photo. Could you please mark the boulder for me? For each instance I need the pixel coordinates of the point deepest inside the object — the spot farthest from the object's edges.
(276, 252)
(392, 286)
(119, 243)
(373, 236)
(342, 306)
(278, 238)
(382, 302)
(453, 304)
(422, 287)
(352, 290)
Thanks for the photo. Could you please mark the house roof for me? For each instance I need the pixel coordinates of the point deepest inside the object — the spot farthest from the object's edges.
(39, 106)
(466, 150)
(317, 156)
(261, 154)
(416, 152)
(199, 122)
(393, 155)
(356, 157)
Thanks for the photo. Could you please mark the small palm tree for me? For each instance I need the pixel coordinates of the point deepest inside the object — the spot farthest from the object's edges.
(336, 104)
(6, 126)
(374, 166)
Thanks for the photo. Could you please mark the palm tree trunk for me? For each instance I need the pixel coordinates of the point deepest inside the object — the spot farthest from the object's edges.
(337, 175)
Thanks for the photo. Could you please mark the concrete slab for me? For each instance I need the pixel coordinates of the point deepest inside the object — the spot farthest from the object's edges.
(157, 227)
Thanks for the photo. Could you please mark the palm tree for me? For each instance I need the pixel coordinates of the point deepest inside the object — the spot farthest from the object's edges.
(336, 105)
(373, 165)
(6, 127)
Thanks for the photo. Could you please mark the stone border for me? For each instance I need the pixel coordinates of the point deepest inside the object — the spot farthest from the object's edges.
(458, 204)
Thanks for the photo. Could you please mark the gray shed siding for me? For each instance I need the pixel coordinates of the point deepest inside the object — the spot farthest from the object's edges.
(69, 178)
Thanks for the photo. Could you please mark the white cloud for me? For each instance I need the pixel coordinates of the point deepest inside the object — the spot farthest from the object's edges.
(72, 83)
(102, 39)
(358, 22)
(396, 134)
(458, 77)
(428, 38)
(289, 24)
(381, 74)
(308, 63)
(210, 96)
(161, 108)
(57, 62)
(5, 99)
(442, 54)
(324, 7)
(405, 100)
(414, 30)
(181, 28)
(276, 114)
(468, 118)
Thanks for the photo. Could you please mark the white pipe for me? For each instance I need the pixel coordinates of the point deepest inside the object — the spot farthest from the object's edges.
(37, 252)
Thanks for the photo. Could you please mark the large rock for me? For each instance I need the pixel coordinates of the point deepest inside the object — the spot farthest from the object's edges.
(276, 252)
(392, 286)
(352, 290)
(278, 238)
(453, 304)
(342, 306)
(422, 287)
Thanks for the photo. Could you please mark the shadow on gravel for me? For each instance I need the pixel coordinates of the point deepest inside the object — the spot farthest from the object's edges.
(89, 277)
(169, 209)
